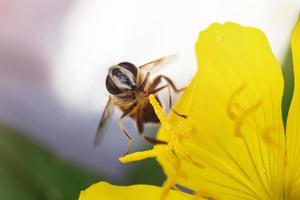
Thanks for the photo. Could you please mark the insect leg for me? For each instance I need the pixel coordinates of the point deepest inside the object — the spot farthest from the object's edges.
(156, 90)
(129, 110)
(127, 135)
(123, 129)
(169, 81)
(140, 127)
(154, 84)
(171, 84)
(170, 104)
(143, 84)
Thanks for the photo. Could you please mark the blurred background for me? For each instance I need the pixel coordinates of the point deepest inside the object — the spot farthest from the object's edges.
(54, 56)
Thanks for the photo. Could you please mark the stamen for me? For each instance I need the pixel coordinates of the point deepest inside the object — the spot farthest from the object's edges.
(158, 111)
(137, 156)
(202, 194)
(266, 136)
(231, 102)
(167, 186)
(239, 119)
(173, 152)
(246, 116)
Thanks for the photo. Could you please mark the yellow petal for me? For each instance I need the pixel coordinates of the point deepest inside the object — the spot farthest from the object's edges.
(106, 191)
(293, 124)
(232, 143)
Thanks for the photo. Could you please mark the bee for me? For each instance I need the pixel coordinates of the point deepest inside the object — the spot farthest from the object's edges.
(129, 87)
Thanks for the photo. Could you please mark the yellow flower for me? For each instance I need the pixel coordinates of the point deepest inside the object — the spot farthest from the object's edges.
(233, 144)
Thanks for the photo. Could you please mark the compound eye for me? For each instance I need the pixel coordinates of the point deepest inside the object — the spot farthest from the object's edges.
(111, 86)
(130, 67)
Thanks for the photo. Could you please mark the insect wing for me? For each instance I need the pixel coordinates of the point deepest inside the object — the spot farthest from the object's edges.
(158, 62)
(104, 121)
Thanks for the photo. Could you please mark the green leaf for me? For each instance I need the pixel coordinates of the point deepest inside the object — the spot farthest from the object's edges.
(288, 75)
(28, 172)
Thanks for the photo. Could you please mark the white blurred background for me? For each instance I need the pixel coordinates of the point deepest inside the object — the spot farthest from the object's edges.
(54, 55)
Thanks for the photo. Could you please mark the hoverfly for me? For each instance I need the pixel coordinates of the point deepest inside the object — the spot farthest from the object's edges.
(129, 87)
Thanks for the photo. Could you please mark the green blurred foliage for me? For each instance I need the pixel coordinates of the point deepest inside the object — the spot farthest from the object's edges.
(147, 172)
(288, 75)
(28, 172)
